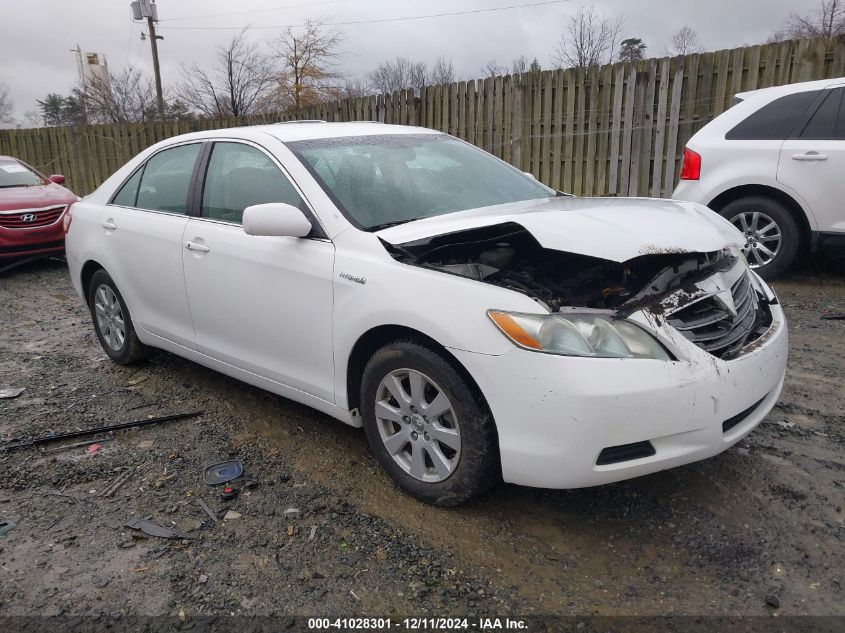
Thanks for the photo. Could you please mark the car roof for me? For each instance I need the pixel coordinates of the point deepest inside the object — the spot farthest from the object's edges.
(779, 91)
(302, 131)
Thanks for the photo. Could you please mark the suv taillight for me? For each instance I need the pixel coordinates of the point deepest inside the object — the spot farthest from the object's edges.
(690, 165)
(67, 220)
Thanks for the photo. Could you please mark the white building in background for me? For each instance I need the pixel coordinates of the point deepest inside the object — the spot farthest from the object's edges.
(93, 69)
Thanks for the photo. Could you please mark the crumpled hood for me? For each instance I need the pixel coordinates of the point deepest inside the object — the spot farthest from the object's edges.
(616, 229)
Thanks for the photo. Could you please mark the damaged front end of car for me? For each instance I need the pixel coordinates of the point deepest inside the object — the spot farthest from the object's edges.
(711, 298)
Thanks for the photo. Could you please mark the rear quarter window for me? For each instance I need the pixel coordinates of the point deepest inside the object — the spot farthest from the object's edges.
(775, 120)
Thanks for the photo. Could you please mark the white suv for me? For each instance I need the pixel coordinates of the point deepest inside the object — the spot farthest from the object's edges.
(774, 165)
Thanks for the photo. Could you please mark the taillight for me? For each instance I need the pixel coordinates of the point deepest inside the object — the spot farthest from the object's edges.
(67, 220)
(690, 165)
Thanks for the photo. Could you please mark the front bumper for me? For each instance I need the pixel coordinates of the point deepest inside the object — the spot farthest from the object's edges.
(22, 243)
(558, 413)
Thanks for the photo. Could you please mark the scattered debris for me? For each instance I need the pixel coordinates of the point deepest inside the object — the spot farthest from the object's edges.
(117, 482)
(8, 394)
(207, 510)
(153, 529)
(228, 494)
(20, 443)
(354, 595)
(231, 514)
(93, 448)
(223, 472)
(773, 600)
(834, 317)
(250, 484)
(292, 512)
(202, 579)
(58, 449)
(313, 533)
(137, 378)
(7, 525)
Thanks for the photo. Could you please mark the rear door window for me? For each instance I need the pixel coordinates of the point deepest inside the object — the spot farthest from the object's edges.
(166, 179)
(828, 122)
(128, 194)
(775, 120)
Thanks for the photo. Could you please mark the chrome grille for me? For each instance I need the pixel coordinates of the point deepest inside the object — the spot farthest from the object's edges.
(31, 218)
(723, 322)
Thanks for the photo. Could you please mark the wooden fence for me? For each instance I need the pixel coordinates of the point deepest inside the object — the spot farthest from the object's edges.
(617, 129)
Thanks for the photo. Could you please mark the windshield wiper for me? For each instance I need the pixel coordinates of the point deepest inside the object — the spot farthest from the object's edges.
(387, 225)
(23, 184)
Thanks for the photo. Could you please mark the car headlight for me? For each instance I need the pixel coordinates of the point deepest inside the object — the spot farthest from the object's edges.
(578, 334)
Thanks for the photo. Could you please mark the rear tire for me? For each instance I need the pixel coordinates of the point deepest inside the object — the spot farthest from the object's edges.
(112, 321)
(782, 240)
(435, 436)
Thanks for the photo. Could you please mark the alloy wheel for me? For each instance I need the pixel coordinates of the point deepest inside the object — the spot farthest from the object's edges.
(109, 316)
(763, 238)
(418, 425)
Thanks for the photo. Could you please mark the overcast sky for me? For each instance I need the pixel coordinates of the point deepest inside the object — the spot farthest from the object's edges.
(36, 36)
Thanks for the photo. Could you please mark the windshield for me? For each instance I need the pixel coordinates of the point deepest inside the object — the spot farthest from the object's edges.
(15, 174)
(379, 181)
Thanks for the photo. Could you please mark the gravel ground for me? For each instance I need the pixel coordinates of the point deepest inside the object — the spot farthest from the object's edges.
(757, 530)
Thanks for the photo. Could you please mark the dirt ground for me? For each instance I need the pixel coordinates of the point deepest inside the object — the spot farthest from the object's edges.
(757, 530)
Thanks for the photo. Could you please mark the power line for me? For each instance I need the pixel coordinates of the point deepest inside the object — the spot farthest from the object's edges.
(220, 15)
(375, 21)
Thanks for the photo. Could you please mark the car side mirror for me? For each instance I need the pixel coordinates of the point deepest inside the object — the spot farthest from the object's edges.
(57, 178)
(275, 219)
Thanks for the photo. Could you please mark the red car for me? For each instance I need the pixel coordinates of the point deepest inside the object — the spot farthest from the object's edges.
(32, 211)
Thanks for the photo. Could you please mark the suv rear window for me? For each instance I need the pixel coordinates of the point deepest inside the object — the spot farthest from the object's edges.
(828, 123)
(775, 120)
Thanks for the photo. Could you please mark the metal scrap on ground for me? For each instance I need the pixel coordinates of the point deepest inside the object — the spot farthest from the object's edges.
(20, 443)
(153, 529)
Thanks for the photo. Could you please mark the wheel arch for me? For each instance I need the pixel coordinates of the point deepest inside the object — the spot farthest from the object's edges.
(791, 204)
(377, 337)
(88, 269)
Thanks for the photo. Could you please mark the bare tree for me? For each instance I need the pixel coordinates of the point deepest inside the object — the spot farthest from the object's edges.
(6, 105)
(443, 72)
(590, 39)
(826, 21)
(492, 69)
(684, 42)
(236, 86)
(355, 87)
(127, 96)
(399, 74)
(520, 65)
(306, 57)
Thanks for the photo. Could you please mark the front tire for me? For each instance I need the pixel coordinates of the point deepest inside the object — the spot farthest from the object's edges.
(426, 425)
(112, 321)
(772, 237)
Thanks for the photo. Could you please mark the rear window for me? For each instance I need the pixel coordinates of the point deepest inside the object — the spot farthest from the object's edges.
(775, 120)
(828, 122)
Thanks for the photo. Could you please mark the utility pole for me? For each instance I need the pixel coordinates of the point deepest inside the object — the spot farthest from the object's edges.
(154, 47)
(142, 9)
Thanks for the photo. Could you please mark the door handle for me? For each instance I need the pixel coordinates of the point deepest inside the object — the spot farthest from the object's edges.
(809, 156)
(193, 246)
(111, 226)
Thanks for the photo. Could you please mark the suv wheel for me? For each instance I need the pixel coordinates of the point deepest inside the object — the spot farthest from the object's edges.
(112, 321)
(771, 233)
(426, 427)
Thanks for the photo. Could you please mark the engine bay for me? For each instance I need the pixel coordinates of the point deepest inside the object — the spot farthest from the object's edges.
(509, 256)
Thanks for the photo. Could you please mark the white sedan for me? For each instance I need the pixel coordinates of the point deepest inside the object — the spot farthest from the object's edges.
(479, 325)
